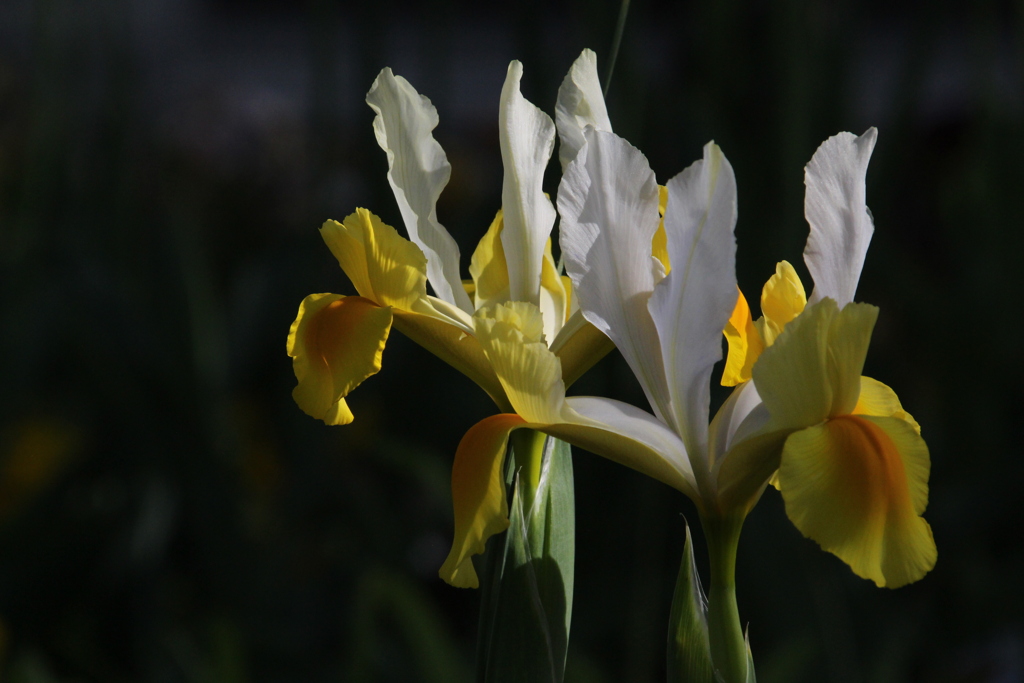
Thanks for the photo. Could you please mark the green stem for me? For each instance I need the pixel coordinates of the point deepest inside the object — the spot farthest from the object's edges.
(728, 647)
(528, 450)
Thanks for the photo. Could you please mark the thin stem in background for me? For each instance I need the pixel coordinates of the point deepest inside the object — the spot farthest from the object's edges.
(616, 43)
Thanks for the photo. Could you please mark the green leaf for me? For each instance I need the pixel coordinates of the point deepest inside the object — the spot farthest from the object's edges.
(527, 598)
(750, 658)
(689, 650)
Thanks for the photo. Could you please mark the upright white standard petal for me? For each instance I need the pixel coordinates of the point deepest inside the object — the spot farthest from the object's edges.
(527, 138)
(418, 170)
(608, 200)
(692, 304)
(580, 104)
(837, 211)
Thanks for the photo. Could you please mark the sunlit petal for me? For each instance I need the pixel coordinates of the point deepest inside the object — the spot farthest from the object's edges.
(836, 209)
(580, 104)
(659, 245)
(692, 304)
(554, 299)
(384, 266)
(335, 343)
(418, 170)
(608, 201)
(512, 338)
(857, 486)
(488, 268)
(527, 137)
(478, 495)
(782, 299)
(745, 344)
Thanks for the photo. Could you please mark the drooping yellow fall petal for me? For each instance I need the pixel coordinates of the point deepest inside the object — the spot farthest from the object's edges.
(384, 266)
(857, 486)
(745, 345)
(782, 299)
(335, 343)
(488, 267)
(659, 245)
(478, 495)
(878, 400)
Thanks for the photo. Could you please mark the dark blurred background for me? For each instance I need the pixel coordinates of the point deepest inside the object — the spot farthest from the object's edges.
(168, 514)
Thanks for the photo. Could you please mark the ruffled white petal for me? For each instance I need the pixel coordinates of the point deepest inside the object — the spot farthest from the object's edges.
(580, 104)
(418, 170)
(836, 210)
(692, 304)
(608, 201)
(527, 138)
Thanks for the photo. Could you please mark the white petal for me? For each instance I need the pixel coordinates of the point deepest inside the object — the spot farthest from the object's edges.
(692, 304)
(837, 211)
(741, 415)
(663, 455)
(417, 170)
(527, 139)
(580, 104)
(608, 200)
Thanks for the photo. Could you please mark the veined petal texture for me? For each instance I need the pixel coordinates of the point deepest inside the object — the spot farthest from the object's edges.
(580, 104)
(527, 137)
(418, 170)
(608, 201)
(836, 209)
(692, 304)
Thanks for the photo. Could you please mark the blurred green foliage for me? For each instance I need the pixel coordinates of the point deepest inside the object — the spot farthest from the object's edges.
(168, 514)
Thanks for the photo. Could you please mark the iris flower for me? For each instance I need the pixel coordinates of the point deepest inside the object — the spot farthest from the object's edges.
(849, 461)
(337, 342)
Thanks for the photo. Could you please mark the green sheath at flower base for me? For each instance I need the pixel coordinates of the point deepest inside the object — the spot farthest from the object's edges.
(526, 602)
(689, 651)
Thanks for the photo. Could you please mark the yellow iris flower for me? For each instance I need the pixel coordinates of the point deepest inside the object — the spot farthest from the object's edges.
(336, 342)
(850, 462)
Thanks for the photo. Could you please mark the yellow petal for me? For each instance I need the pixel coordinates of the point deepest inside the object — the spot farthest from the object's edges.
(335, 343)
(488, 267)
(812, 371)
(878, 400)
(857, 486)
(478, 495)
(745, 344)
(848, 339)
(571, 304)
(792, 375)
(455, 347)
(512, 337)
(383, 266)
(659, 245)
(554, 299)
(579, 346)
(782, 299)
